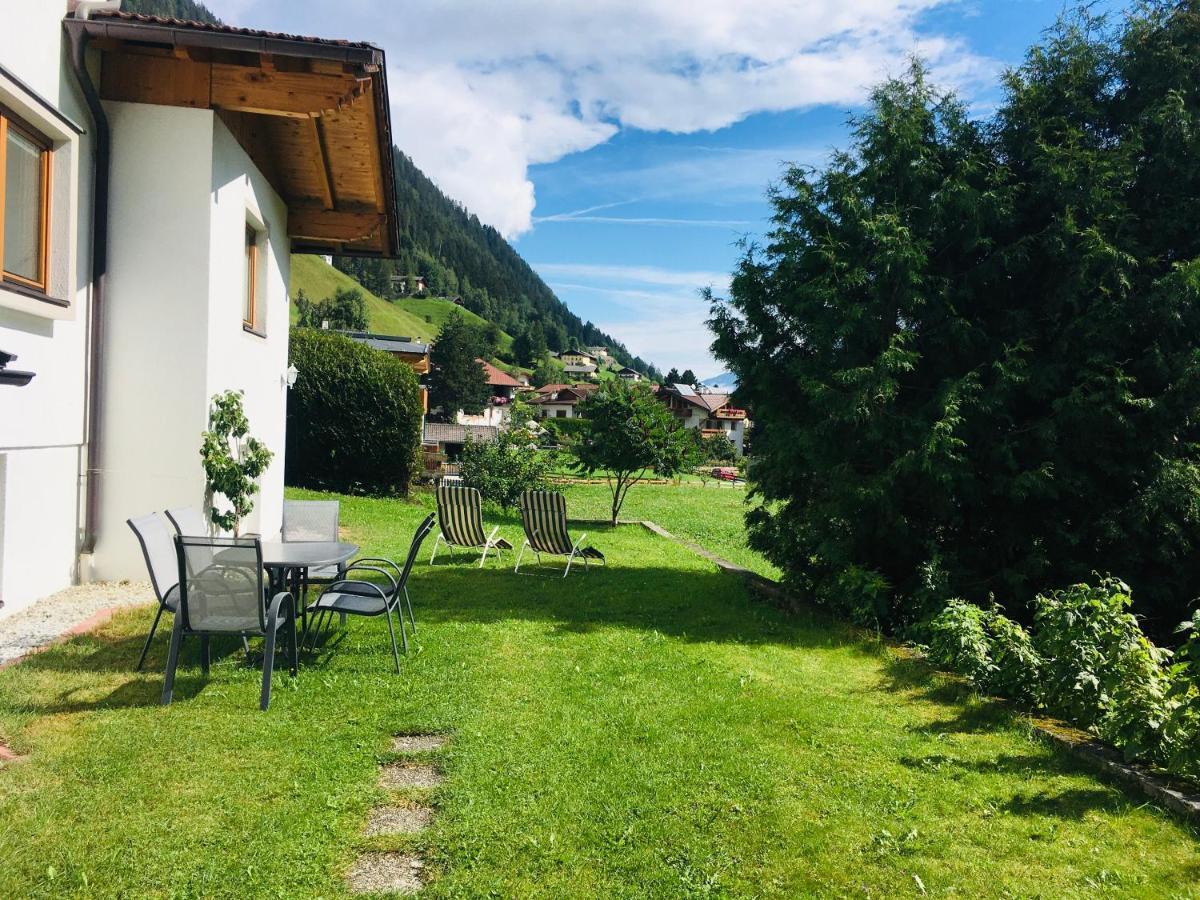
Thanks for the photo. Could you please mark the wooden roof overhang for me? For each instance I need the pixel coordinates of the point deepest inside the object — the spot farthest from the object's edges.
(313, 115)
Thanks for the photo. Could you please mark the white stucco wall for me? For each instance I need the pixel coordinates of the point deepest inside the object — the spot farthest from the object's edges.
(183, 191)
(42, 424)
(238, 359)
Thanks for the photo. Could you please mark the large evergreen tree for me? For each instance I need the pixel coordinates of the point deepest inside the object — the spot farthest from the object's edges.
(972, 350)
(456, 379)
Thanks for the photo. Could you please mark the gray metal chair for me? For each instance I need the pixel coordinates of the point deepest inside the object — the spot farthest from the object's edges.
(313, 520)
(363, 598)
(221, 593)
(158, 548)
(190, 521)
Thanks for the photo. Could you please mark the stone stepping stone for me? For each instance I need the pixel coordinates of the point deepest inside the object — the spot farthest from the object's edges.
(418, 743)
(401, 775)
(383, 873)
(398, 820)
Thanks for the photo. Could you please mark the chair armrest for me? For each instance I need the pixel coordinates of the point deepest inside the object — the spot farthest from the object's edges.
(349, 581)
(375, 559)
(276, 602)
(358, 566)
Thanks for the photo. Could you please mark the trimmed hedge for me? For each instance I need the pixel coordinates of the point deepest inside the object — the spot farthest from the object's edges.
(354, 417)
(564, 429)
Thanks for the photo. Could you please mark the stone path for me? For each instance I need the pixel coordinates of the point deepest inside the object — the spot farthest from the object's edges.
(399, 872)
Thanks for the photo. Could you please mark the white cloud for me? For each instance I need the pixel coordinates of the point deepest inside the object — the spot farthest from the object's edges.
(481, 91)
(656, 312)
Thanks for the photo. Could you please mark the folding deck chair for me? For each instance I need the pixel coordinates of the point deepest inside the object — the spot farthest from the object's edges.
(460, 523)
(544, 515)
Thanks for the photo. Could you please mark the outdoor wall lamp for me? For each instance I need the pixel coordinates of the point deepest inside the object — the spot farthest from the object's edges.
(290, 375)
(12, 376)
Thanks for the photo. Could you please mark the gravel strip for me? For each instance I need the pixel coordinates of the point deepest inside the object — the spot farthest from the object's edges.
(49, 618)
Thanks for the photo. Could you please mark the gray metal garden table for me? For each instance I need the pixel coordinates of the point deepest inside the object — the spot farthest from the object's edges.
(287, 561)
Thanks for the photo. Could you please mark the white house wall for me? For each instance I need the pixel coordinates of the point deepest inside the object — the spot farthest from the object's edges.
(156, 323)
(239, 359)
(42, 424)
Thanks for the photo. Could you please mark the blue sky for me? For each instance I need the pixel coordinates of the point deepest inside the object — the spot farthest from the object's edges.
(625, 146)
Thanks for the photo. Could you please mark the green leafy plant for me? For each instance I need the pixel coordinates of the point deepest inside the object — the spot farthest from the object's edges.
(991, 650)
(632, 433)
(512, 463)
(233, 460)
(1181, 733)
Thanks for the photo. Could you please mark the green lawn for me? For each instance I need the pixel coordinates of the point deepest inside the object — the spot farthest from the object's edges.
(646, 730)
(711, 514)
(406, 317)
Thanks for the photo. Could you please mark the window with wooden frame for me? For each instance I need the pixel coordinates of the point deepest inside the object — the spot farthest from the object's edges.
(24, 204)
(250, 297)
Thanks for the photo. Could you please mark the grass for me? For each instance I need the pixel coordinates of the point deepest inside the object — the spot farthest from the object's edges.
(710, 514)
(405, 317)
(646, 730)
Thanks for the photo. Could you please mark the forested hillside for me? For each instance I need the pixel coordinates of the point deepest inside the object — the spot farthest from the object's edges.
(459, 255)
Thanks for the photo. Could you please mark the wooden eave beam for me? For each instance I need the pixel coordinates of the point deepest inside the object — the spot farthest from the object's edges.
(334, 225)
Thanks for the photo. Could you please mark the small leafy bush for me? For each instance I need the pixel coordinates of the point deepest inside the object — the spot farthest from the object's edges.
(502, 469)
(995, 653)
(1088, 662)
(1099, 670)
(1181, 733)
(354, 416)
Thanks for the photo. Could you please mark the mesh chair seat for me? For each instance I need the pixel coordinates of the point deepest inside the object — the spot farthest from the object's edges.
(158, 549)
(326, 573)
(350, 602)
(221, 591)
(364, 598)
(310, 520)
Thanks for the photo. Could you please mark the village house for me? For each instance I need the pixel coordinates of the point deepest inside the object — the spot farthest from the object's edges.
(710, 412)
(600, 354)
(578, 371)
(159, 174)
(502, 389)
(559, 401)
(628, 374)
(577, 358)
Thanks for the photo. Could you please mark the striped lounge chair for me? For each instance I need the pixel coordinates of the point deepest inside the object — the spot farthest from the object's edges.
(544, 515)
(460, 523)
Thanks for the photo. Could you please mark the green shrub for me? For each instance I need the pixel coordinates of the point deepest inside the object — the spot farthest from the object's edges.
(1098, 670)
(958, 641)
(1181, 733)
(502, 469)
(354, 416)
(995, 653)
(562, 431)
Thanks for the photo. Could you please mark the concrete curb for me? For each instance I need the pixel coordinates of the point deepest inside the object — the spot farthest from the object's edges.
(1177, 797)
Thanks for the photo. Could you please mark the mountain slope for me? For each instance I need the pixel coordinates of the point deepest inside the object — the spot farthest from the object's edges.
(407, 317)
(459, 255)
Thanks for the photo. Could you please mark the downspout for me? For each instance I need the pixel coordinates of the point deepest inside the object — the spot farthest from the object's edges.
(94, 457)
